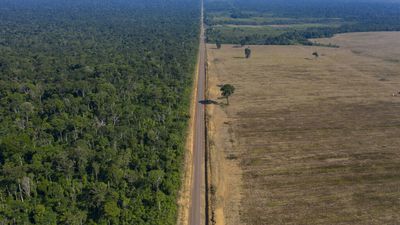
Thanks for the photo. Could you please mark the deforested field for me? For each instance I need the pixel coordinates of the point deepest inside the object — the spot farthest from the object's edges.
(307, 140)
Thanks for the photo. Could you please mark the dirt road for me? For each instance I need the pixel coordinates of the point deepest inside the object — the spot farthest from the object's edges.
(197, 198)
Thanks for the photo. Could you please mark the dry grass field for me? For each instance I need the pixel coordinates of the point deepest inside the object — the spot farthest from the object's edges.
(307, 140)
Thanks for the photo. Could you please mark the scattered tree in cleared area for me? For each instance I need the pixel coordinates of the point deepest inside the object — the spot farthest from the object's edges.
(315, 54)
(226, 91)
(247, 52)
(218, 44)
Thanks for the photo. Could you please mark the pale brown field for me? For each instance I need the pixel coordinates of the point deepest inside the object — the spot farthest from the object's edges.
(304, 140)
(380, 45)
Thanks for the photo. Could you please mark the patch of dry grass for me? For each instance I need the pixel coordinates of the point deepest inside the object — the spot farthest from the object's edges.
(316, 140)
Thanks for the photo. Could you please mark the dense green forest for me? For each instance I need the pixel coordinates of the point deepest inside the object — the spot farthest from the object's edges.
(295, 21)
(94, 100)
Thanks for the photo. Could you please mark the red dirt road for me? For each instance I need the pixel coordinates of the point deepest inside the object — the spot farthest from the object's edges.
(197, 198)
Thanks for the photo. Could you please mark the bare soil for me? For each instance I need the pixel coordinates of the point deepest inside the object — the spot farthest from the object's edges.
(307, 140)
(185, 191)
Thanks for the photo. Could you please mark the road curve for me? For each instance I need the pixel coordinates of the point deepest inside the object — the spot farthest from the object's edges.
(197, 198)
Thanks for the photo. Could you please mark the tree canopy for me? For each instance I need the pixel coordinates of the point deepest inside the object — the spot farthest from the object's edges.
(226, 91)
(218, 44)
(94, 99)
(247, 52)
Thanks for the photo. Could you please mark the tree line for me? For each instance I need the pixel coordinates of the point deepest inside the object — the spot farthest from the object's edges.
(349, 17)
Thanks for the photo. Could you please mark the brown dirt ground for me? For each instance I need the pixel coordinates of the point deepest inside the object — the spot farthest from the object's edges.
(307, 141)
(185, 191)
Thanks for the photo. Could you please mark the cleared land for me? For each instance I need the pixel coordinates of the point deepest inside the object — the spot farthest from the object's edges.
(305, 140)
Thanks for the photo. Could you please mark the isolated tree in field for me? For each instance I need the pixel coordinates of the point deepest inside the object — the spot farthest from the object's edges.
(226, 91)
(315, 54)
(218, 43)
(247, 52)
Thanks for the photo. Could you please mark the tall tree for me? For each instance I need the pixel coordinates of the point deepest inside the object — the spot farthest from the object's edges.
(218, 44)
(247, 53)
(226, 91)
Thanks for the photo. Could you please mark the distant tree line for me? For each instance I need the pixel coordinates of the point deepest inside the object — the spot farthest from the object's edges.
(353, 16)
